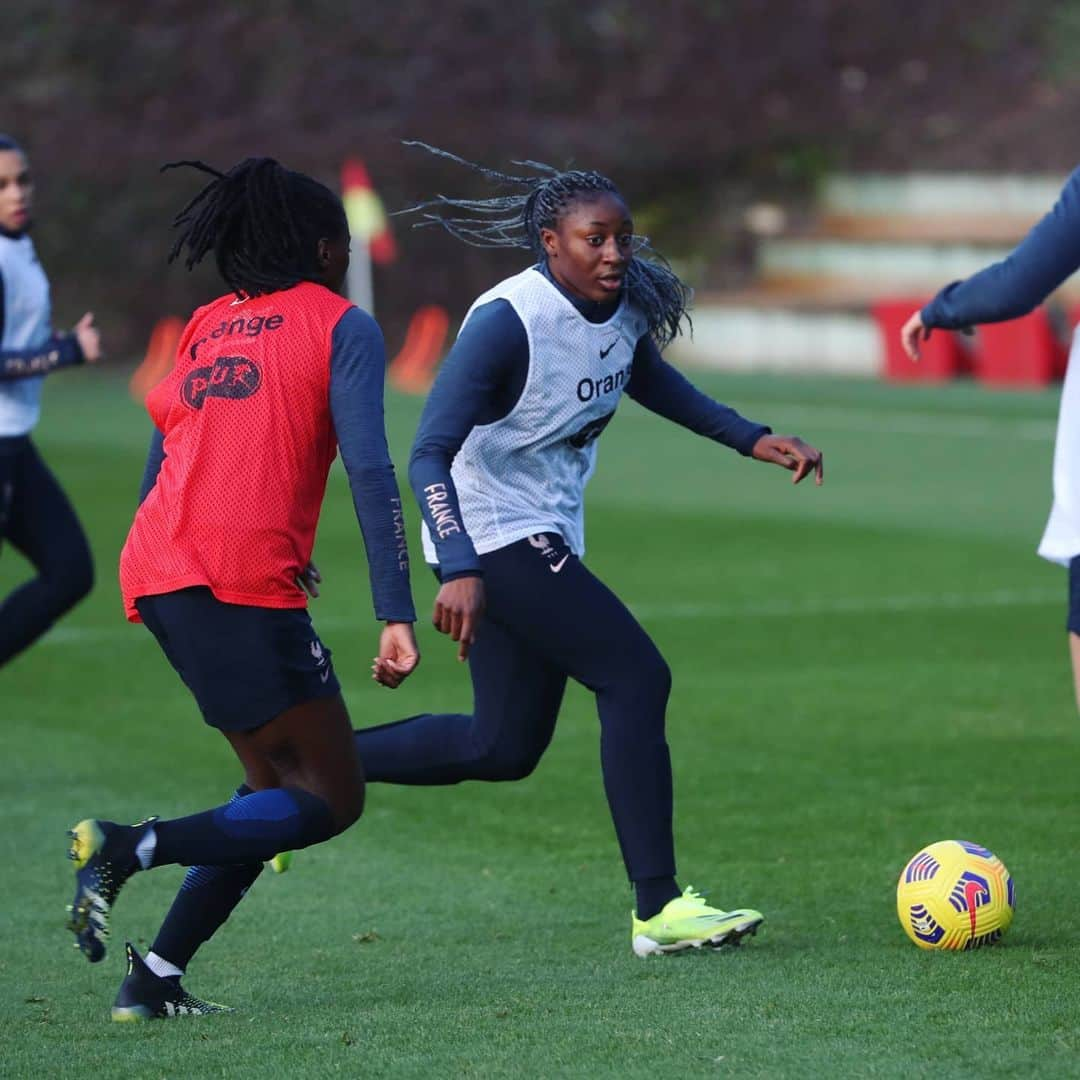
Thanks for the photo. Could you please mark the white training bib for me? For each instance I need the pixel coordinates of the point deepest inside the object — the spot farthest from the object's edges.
(527, 472)
(27, 324)
(1061, 540)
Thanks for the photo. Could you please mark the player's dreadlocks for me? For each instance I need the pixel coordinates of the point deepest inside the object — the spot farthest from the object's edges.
(539, 200)
(262, 221)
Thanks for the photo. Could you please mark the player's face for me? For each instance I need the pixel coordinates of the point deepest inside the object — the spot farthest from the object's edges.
(16, 191)
(591, 248)
(334, 261)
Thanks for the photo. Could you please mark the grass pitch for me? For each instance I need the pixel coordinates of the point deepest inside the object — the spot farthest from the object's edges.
(859, 671)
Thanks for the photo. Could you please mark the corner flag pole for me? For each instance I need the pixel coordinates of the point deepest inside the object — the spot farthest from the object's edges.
(370, 231)
(358, 282)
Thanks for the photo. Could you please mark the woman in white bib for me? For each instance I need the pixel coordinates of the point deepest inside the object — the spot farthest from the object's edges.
(35, 515)
(1048, 255)
(505, 447)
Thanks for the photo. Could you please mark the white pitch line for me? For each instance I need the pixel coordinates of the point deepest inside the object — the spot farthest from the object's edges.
(854, 605)
(811, 606)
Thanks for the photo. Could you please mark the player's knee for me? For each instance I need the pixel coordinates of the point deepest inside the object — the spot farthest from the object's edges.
(80, 580)
(70, 581)
(498, 760)
(649, 679)
(347, 806)
(353, 808)
(515, 766)
(662, 675)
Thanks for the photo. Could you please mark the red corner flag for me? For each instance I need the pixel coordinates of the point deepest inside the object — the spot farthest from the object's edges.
(364, 210)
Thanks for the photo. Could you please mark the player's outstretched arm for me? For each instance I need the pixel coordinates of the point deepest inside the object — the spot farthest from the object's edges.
(1008, 289)
(790, 452)
(662, 389)
(82, 345)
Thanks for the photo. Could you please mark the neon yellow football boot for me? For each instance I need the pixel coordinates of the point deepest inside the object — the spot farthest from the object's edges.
(687, 922)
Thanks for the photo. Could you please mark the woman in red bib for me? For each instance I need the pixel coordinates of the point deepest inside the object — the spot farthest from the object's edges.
(270, 381)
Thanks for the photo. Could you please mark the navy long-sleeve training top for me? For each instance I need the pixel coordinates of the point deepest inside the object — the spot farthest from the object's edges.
(481, 380)
(357, 372)
(61, 350)
(1020, 282)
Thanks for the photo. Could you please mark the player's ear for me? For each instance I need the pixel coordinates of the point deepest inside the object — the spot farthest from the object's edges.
(322, 253)
(550, 239)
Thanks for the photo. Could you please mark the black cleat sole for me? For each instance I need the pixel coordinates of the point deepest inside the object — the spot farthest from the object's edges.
(734, 938)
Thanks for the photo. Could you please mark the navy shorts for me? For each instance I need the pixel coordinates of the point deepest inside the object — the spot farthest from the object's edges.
(1073, 625)
(245, 665)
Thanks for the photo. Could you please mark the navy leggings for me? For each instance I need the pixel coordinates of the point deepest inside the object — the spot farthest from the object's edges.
(548, 618)
(37, 519)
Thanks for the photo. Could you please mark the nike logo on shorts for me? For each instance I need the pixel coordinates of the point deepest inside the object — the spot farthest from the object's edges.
(556, 567)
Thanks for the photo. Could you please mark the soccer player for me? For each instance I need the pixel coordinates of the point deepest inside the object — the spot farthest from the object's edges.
(269, 380)
(1006, 290)
(506, 444)
(35, 515)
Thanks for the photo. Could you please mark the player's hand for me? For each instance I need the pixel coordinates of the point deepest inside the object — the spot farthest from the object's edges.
(912, 335)
(459, 607)
(89, 338)
(398, 655)
(309, 579)
(790, 452)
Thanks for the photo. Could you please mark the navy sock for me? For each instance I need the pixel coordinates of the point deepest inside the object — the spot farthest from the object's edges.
(253, 828)
(653, 894)
(205, 900)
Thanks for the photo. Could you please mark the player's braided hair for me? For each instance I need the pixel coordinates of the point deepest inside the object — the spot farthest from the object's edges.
(538, 200)
(262, 221)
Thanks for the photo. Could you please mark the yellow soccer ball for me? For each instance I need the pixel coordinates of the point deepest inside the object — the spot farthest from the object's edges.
(955, 895)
